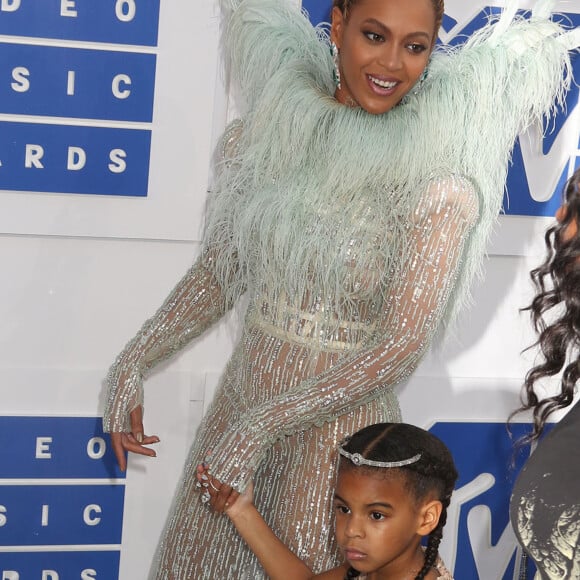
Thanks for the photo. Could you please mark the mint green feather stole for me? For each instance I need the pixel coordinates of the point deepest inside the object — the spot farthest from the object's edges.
(309, 171)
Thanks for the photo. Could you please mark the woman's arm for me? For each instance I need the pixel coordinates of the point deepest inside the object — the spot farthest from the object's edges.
(414, 309)
(193, 305)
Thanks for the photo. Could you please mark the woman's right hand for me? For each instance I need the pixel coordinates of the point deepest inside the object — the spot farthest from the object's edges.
(135, 441)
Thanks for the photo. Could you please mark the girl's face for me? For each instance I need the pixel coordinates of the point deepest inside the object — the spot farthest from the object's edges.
(384, 47)
(379, 525)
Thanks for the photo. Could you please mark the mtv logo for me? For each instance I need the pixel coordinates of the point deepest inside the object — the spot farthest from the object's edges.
(544, 156)
(478, 540)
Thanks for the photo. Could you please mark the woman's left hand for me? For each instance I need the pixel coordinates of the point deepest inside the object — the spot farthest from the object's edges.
(221, 495)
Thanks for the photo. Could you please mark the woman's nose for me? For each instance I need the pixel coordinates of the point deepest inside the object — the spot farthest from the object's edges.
(390, 57)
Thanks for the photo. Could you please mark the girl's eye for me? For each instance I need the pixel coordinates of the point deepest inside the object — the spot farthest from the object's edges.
(377, 516)
(342, 509)
(374, 37)
(417, 48)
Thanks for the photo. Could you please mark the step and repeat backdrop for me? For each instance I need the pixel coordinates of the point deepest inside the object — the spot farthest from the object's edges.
(109, 112)
(61, 488)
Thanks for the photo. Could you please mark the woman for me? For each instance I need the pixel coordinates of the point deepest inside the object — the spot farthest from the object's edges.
(352, 206)
(545, 505)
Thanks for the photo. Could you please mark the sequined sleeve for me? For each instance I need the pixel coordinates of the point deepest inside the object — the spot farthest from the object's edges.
(413, 311)
(193, 305)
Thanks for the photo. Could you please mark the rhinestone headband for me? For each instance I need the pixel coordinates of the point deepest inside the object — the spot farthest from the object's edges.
(358, 459)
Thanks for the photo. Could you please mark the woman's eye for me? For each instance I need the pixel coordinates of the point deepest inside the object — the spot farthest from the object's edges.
(417, 48)
(373, 36)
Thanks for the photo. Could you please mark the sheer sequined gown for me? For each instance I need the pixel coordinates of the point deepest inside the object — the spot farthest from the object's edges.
(309, 369)
(297, 383)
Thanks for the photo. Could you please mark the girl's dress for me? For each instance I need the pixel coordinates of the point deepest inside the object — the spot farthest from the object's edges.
(353, 237)
(545, 505)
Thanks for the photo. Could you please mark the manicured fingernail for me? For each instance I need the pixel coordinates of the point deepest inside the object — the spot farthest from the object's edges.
(139, 437)
(198, 485)
(204, 477)
(205, 484)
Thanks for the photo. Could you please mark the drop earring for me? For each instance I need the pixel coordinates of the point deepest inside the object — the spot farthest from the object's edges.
(419, 84)
(336, 70)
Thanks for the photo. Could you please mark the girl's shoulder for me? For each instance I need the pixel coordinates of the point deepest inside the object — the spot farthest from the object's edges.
(441, 570)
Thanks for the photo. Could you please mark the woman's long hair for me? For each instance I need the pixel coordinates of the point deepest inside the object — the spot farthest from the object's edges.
(434, 473)
(557, 283)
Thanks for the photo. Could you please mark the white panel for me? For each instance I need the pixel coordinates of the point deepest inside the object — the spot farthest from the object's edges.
(183, 132)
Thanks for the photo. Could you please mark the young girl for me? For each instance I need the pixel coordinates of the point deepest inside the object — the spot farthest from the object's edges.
(393, 488)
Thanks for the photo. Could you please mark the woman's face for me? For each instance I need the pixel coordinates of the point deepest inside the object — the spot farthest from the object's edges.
(572, 228)
(384, 47)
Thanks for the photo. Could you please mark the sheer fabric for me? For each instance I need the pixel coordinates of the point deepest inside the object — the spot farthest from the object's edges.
(296, 384)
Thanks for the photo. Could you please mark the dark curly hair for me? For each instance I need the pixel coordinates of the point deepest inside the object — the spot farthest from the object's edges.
(433, 474)
(557, 283)
(438, 6)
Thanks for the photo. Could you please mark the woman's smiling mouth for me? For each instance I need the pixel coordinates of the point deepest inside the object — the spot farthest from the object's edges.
(382, 86)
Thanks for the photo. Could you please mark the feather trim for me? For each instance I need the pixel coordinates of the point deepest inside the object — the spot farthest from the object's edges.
(303, 157)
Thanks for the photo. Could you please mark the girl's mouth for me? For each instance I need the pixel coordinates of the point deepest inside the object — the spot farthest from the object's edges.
(353, 555)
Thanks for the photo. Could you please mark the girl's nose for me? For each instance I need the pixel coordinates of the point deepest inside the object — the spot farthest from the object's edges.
(354, 529)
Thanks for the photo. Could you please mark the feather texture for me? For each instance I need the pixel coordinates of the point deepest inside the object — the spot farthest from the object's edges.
(302, 154)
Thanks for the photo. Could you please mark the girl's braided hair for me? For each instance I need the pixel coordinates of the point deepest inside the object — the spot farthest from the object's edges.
(434, 474)
(557, 283)
(438, 5)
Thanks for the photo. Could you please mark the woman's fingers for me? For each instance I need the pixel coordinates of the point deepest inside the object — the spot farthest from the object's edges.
(119, 450)
(123, 442)
(136, 419)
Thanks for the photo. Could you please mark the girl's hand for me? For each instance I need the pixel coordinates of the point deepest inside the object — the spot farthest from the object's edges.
(135, 441)
(242, 502)
(222, 497)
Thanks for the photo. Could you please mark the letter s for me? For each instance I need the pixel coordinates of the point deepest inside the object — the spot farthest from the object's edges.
(118, 163)
(3, 518)
(88, 574)
(21, 83)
